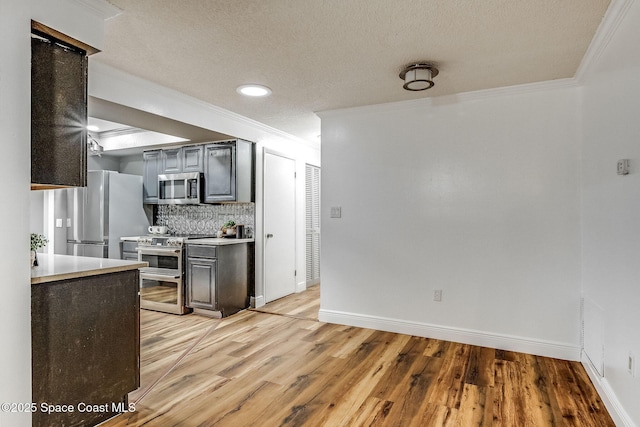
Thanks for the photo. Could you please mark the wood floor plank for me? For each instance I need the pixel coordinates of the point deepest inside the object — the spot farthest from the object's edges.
(508, 405)
(351, 398)
(351, 339)
(409, 396)
(480, 370)
(306, 356)
(279, 369)
(542, 403)
(436, 348)
(325, 392)
(476, 406)
(448, 386)
(436, 415)
(303, 305)
(249, 411)
(398, 370)
(164, 339)
(372, 412)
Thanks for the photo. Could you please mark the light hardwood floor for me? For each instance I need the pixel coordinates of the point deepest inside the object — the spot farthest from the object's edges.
(304, 305)
(281, 369)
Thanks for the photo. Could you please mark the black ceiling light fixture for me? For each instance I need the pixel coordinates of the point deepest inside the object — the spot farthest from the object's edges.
(418, 76)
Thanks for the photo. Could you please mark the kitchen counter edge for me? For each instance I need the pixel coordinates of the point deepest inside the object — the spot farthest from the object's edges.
(53, 268)
(217, 241)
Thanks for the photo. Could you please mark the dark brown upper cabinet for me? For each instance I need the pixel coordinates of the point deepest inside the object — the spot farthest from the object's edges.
(229, 172)
(58, 109)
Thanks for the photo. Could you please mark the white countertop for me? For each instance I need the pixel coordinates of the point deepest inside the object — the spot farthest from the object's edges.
(217, 242)
(208, 241)
(52, 268)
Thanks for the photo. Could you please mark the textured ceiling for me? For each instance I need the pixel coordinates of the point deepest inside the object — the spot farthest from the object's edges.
(325, 54)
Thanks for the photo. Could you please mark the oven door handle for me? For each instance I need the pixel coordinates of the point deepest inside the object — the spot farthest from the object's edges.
(150, 250)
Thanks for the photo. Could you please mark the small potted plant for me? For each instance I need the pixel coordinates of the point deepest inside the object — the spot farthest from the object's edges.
(229, 228)
(37, 241)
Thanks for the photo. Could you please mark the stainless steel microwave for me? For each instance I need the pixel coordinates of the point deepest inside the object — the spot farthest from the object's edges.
(180, 188)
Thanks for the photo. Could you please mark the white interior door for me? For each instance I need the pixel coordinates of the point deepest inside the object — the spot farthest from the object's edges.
(279, 226)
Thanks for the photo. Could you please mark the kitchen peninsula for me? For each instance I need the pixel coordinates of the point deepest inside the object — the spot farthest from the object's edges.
(85, 334)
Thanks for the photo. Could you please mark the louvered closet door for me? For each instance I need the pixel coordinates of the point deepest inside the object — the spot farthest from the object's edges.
(312, 180)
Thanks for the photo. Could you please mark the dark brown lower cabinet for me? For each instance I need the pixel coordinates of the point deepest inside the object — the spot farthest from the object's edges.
(85, 348)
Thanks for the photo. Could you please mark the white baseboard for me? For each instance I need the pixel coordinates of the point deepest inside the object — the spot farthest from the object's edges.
(301, 287)
(465, 336)
(609, 398)
(257, 302)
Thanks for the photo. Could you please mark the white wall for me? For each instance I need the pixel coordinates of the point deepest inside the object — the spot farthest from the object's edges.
(103, 162)
(131, 164)
(477, 197)
(121, 88)
(611, 207)
(15, 113)
(15, 304)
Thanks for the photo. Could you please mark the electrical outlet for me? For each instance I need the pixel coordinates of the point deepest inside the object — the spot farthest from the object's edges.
(631, 365)
(336, 211)
(437, 295)
(623, 167)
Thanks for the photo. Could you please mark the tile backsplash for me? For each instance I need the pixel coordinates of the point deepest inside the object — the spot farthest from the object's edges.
(205, 219)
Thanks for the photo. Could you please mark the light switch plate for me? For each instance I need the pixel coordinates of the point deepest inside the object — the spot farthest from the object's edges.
(336, 212)
(58, 222)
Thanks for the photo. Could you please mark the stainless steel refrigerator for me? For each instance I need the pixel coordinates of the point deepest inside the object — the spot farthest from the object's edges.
(110, 207)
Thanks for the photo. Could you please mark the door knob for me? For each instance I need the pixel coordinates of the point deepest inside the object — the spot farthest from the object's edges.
(269, 236)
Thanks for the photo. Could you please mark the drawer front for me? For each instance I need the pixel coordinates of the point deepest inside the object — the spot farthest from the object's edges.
(201, 251)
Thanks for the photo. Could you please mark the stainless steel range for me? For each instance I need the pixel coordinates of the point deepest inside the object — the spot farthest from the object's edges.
(162, 282)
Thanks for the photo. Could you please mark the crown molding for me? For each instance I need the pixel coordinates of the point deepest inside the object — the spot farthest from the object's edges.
(613, 17)
(478, 95)
(615, 14)
(219, 111)
(101, 8)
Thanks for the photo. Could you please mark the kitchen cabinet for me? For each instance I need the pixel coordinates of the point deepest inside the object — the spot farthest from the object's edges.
(58, 109)
(182, 159)
(228, 166)
(201, 274)
(192, 158)
(229, 172)
(152, 167)
(171, 160)
(218, 278)
(85, 339)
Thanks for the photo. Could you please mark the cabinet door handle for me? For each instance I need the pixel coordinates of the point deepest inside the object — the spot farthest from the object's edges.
(269, 236)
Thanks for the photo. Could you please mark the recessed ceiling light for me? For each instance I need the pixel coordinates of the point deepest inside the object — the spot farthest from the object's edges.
(93, 128)
(254, 90)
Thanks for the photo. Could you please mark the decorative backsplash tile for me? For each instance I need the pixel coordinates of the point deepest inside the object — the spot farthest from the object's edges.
(205, 219)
